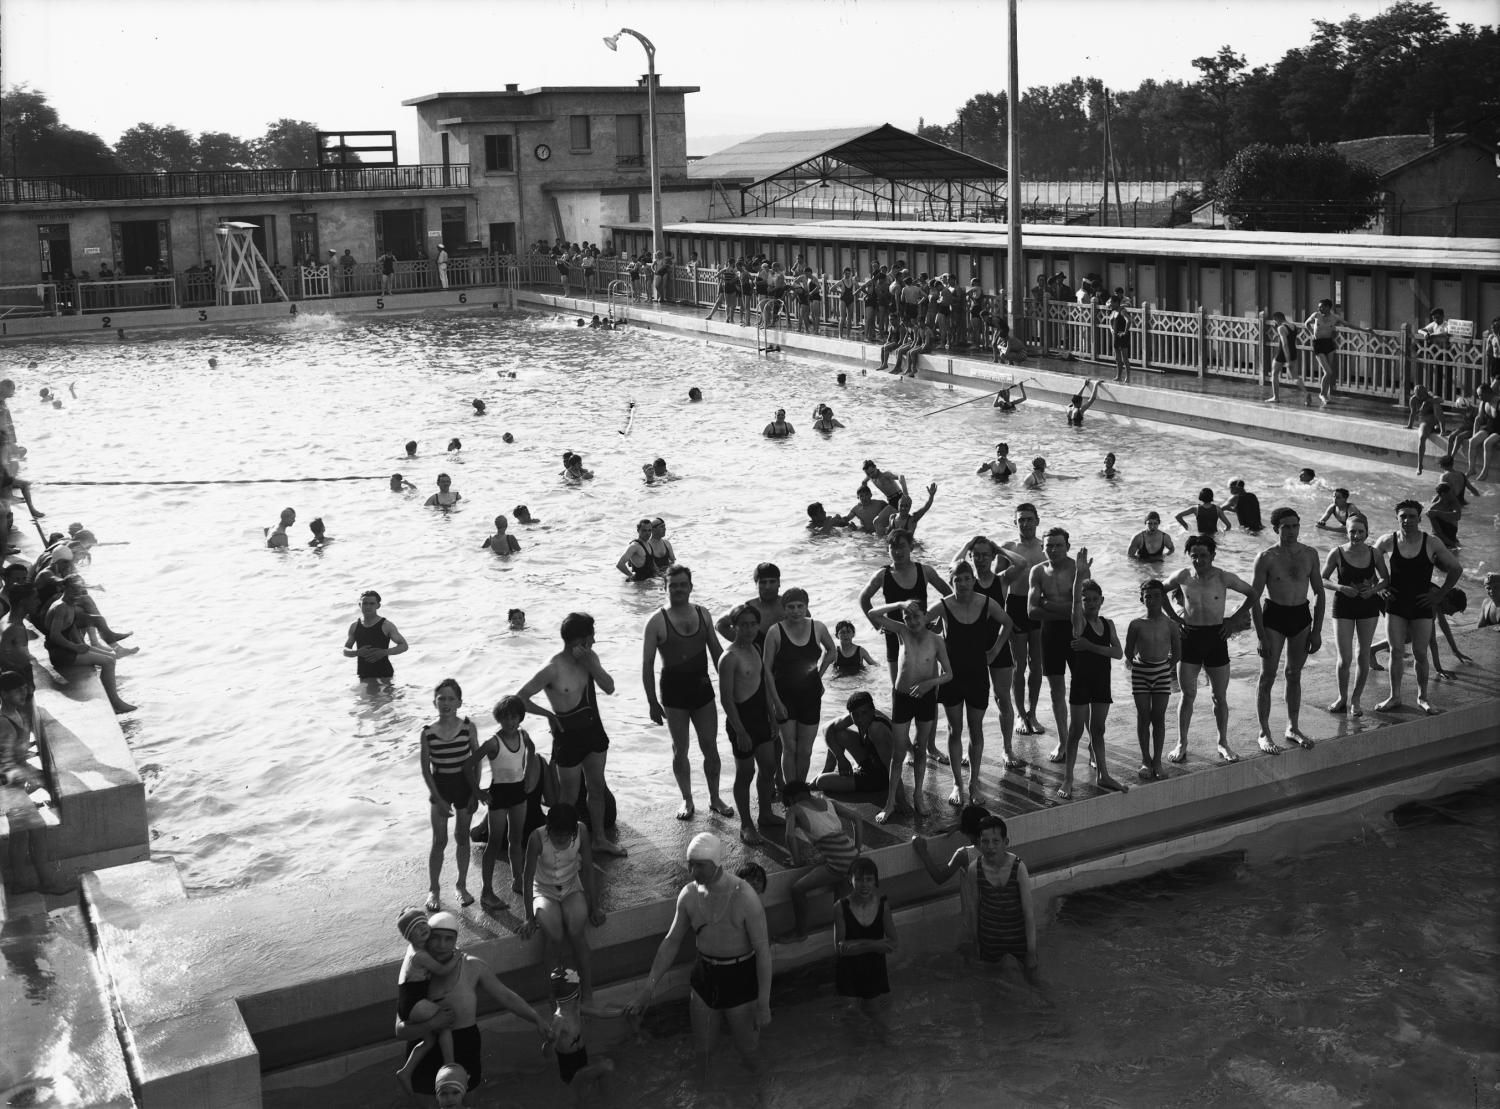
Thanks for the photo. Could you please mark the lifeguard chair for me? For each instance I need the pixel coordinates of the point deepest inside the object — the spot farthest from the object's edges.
(240, 266)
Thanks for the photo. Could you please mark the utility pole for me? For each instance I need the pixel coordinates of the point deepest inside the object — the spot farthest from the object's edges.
(1015, 261)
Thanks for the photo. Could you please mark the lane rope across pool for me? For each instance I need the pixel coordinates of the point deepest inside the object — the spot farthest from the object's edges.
(229, 480)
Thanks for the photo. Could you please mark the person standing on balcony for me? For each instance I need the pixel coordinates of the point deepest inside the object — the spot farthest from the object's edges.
(442, 265)
(333, 270)
(388, 272)
(1324, 325)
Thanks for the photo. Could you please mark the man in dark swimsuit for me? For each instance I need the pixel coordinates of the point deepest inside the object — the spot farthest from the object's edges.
(747, 720)
(684, 635)
(902, 580)
(373, 640)
(732, 975)
(1245, 506)
(636, 563)
(859, 749)
(1285, 572)
(767, 602)
(579, 743)
(1026, 639)
(1049, 603)
(1413, 598)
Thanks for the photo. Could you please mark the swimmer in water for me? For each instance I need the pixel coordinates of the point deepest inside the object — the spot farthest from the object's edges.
(400, 485)
(1007, 403)
(507, 438)
(1307, 476)
(843, 379)
(819, 522)
(516, 618)
(823, 419)
(779, 428)
(573, 470)
(657, 472)
(411, 448)
(276, 537)
(1109, 466)
(695, 394)
(446, 496)
(1078, 405)
(455, 445)
(1039, 474)
(213, 364)
(1244, 505)
(478, 406)
(1153, 544)
(1000, 467)
(1338, 512)
(1207, 516)
(523, 515)
(318, 536)
(502, 542)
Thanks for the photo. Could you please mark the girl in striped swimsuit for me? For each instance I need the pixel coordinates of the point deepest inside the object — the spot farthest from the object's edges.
(816, 822)
(1153, 644)
(451, 770)
(1001, 921)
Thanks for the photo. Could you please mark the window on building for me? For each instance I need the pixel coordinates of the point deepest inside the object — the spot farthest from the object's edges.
(499, 154)
(633, 208)
(628, 141)
(582, 140)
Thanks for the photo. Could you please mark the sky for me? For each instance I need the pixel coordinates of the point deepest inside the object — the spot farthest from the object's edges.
(762, 65)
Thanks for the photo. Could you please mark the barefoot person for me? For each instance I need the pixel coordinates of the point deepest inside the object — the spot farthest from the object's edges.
(373, 639)
(1357, 606)
(732, 974)
(747, 720)
(561, 893)
(1285, 572)
(1094, 644)
(449, 767)
(815, 823)
(66, 646)
(996, 584)
(860, 746)
(975, 632)
(1323, 326)
(901, 580)
(798, 650)
(1026, 640)
(999, 918)
(1414, 600)
(1049, 603)
(1203, 588)
(922, 665)
(683, 634)
(512, 758)
(580, 746)
(1153, 644)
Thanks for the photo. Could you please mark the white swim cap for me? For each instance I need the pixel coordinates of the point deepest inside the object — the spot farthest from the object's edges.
(706, 847)
(451, 1076)
(446, 922)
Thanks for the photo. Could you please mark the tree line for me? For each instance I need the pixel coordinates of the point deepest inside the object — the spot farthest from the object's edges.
(1402, 71)
(34, 142)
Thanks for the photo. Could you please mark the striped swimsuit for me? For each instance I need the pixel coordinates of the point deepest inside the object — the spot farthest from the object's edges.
(1147, 678)
(1002, 925)
(828, 836)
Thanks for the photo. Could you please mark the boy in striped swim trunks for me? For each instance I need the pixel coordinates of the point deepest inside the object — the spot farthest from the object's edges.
(1153, 644)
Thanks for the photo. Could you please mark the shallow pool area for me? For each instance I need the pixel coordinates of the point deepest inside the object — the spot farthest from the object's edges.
(263, 755)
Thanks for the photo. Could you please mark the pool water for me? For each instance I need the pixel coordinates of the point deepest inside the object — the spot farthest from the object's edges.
(1358, 974)
(257, 744)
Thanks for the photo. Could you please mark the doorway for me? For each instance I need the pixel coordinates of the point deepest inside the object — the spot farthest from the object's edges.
(401, 231)
(56, 247)
(140, 243)
(455, 229)
(503, 238)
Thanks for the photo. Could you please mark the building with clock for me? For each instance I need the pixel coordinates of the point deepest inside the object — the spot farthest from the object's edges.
(557, 161)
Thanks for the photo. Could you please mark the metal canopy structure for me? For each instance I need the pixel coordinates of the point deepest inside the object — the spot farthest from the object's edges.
(883, 165)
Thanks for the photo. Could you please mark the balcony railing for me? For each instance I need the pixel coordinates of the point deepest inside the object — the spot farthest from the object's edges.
(234, 182)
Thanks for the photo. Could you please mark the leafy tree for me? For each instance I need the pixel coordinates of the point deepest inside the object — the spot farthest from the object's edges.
(147, 148)
(219, 150)
(1214, 94)
(1296, 188)
(287, 144)
(35, 143)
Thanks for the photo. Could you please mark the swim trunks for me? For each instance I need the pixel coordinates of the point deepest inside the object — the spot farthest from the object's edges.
(1204, 645)
(569, 1063)
(1057, 646)
(1289, 620)
(726, 983)
(1150, 678)
(871, 779)
(757, 722)
(504, 795)
(1015, 608)
(1324, 346)
(905, 707)
(454, 789)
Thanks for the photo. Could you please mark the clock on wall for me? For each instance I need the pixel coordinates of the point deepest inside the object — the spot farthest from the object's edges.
(542, 152)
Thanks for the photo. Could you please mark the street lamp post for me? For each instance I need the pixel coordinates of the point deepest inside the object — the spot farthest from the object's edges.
(612, 41)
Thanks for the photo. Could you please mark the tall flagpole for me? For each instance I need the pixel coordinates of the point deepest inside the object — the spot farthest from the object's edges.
(1015, 261)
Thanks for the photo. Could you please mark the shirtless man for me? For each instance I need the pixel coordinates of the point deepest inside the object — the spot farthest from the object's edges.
(859, 749)
(1285, 572)
(1026, 640)
(732, 974)
(888, 483)
(66, 646)
(767, 602)
(1413, 598)
(922, 667)
(779, 428)
(276, 537)
(820, 523)
(684, 635)
(798, 650)
(1049, 603)
(868, 514)
(1205, 632)
(502, 542)
(1323, 325)
(747, 720)
(901, 580)
(1153, 544)
(580, 746)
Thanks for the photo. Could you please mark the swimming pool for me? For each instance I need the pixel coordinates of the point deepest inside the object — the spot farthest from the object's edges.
(258, 747)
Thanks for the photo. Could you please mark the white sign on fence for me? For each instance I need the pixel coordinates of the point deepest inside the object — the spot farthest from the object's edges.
(1461, 329)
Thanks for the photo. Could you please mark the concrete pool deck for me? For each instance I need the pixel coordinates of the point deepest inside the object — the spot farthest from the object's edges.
(177, 1000)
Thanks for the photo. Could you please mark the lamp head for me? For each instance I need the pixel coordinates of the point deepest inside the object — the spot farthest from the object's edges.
(613, 41)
